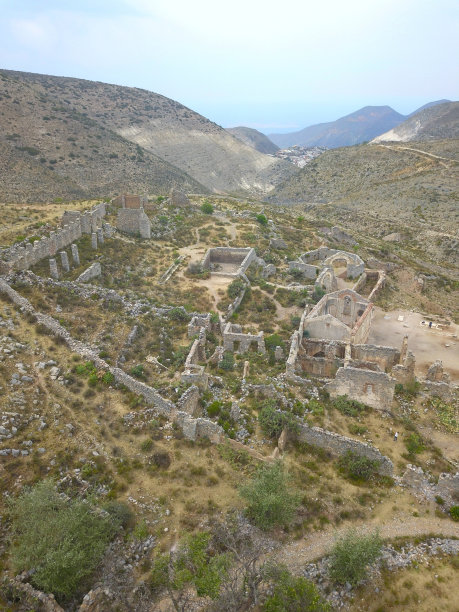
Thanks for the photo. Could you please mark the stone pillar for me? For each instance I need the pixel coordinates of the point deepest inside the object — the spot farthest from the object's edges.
(52, 243)
(75, 255)
(53, 269)
(94, 240)
(100, 236)
(404, 350)
(64, 261)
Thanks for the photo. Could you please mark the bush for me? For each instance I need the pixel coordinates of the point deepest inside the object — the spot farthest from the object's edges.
(146, 445)
(207, 208)
(273, 421)
(291, 593)
(227, 362)
(235, 288)
(192, 565)
(269, 500)
(414, 444)
(137, 371)
(178, 314)
(454, 513)
(162, 460)
(120, 512)
(352, 554)
(357, 467)
(262, 219)
(348, 406)
(62, 540)
(272, 341)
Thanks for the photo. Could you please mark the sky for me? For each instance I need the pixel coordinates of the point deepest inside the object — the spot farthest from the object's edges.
(276, 66)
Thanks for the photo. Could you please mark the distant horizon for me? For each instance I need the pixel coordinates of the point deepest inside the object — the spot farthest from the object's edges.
(275, 68)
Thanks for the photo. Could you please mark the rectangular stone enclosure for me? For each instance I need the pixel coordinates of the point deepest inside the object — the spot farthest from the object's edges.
(228, 261)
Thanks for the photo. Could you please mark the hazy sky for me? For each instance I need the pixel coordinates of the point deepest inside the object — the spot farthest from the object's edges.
(274, 65)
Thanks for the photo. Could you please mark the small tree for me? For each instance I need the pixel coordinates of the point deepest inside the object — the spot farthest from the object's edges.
(269, 499)
(227, 361)
(61, 540)
(207, 208)
(272, 421)
(262, 219)
(193, 565)
(351, 556)
(357, 467)
(291, 593)
(235, 288)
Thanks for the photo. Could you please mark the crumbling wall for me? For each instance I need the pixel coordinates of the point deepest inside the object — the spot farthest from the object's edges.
(376, 389)
(327, 280)
(74, 224)
(242, 257)
(133, 221)
(93, 271)
(385, 356)
(233, 333)
(189, 401)
(339, 445)
(306, 270)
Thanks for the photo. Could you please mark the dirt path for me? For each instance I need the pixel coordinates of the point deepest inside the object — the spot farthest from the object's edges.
(316, 545)
(424, 153)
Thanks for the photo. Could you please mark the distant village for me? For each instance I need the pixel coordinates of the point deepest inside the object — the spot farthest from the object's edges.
(300, 156)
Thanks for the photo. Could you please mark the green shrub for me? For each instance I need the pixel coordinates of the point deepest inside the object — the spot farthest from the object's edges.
(348, 406)
(62, 540)
(235, 288)
(108, 378)
(272, 421)
(194, 564)
(227, 361)
(272, 341)
(262, 219)
(414, 444)
(178, 314)
(289, 593)
(214, 408)
(357, 467)
(352, 554)
(207, 208)
(147, 445)
(121, 512)
(454, 513)
(269, 499)
(138, 371)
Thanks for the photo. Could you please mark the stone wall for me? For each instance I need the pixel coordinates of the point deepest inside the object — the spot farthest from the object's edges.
(241, 257)
(134, 222)
(327, 280)
(306, 270)
(339, 445)
(233, 334)
(189, 401)
(319, 254)
(376, 389)
(73, 224)
(93, 271)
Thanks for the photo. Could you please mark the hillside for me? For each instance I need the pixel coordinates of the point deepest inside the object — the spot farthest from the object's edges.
(133, 121)
(254, 139)
(383, 189)
(360, 126)
(431, 123)
(49, 149)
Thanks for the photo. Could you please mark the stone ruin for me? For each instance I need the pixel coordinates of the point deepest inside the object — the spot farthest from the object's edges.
(131, 218)
(73, 225)
(178, 198)
(130, 201)
(236, 341)
(331, 343)
(228, 261)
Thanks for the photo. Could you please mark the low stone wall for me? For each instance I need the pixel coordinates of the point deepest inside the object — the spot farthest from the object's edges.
(290, 366)
(319, 254)
(229, 255)
(189, 401)
(339, 445)
(447, 486)
(93, 271)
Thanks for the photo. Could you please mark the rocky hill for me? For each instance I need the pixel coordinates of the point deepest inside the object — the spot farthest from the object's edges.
(98, 138)
(383, 186)
(254, 139)
(431, 123)
(352, 129)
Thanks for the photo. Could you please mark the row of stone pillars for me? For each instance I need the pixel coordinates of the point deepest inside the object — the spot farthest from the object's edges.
(53, 269)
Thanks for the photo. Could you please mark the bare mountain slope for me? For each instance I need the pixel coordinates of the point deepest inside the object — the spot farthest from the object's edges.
(254, 139)
(431, 123)
(161, 126)
(49, 149)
